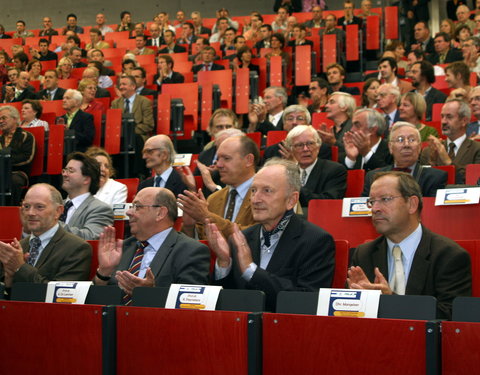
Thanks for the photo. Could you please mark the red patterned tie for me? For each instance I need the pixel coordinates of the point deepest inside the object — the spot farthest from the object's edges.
(135, 267)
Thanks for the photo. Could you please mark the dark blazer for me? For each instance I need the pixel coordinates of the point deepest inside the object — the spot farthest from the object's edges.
(65, 258)
(6, 36)
(176, 78)
(259, 45)
(355, 21)
(429, 179)
(468, 153)
(291, 43)
(80, 64)
(388, 126)
(473, 128)
(433, 96)
(176, 49)
(58, 94)
(440, 268)
(380, 158)
(150, 41)
(266, 126)
(49, 56)
(146, 91)
(328, 180)
(180, 260)
(197, 68)
(274, 151)
(349, 90)
(102, 93)
(345, 127)
(304, 260)
(174, 183)
(28, 93)
(84, 129)
(453, 55)
(293, 6)
(204, 30)
(22, 149)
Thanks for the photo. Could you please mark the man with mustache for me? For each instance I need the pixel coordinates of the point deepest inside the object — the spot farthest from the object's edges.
(405, 146)
(408, 258)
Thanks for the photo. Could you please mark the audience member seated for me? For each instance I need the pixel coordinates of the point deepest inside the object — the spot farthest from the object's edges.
(110, 191)
(457, 76)
(156, 254)
(331, 29)
(422, 76)
(349, 18)
(387, 67)
(280, 252)
(457, 149)
(208, 55)
(463, 18)
(51, 91)
(140, 49)
(318, 90)
(370, 93)
(22, 150)
(236, 163)
(299, 34)
(43, 53)
(198, 24)
(364, 146)
(267, 114)
(48, 253)
(165, 73)
(88, 89)
(96, 41)
(84, 215)
(320, 178)
(126, 23)
(140, 76)
(72, 25)
(22, 32)
(93, 74)
(405, 146)
(408, 258)
(100, 21)
(171, 45)
(20, 91)
(266, 35)
(77, 120)
(388, 97)
(244, 56)
(277, 44)
(423, 40)
(471, 56)
(64, 68)
(48, 29)
(335, 76)
(412, 109)
(473, 129)
(31, 113)
(445, 53)
(398, 49)
(159, 155)
(366, 6)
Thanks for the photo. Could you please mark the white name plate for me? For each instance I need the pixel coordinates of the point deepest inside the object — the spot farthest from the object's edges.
(355, 207)
(449, 197)
(69, 292)
(352, 303)
(182, 160)
(193, 297)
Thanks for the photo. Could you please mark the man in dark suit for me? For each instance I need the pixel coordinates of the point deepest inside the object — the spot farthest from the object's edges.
(165, 72)
(84, 215)
(208, 54)
(156, 39)
(408, 258)
(267, 115)
(51, 90)
(423, 40)
(335, 76)
(422, 75)
(237, 158)
(20, 91)
(473, 129)
(317, 20)
(331, 29)
(444, 51)
(320, 178)
(197, 23)
(282, 251)
(140, 76)
(266, 32)
(77, 120)
(43, 53)
(49, 253)
(171, 45)
(159, 155)
(364, 146)
(405, 146)
(2, 33)
(349, 18)
(457, 149)
(388, 98)
(156, 255)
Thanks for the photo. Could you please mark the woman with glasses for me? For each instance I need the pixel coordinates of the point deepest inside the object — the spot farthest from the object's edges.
(64, 68)
(110, 192)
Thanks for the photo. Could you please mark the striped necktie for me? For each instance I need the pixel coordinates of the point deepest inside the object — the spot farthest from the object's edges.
(135, 266)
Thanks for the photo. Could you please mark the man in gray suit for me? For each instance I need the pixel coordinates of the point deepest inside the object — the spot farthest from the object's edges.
(84, 215)
(157, 255)
(49, 252)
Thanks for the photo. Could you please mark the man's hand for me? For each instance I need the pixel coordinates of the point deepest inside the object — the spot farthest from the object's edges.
(187, 177)
(361, 142)
(326, 134)
(439, 155)
(109, 251)
(244, 254)
(351, 150)
(12, 258)
(358, 280)
(285, 152)
(127, 282)
(218, 244)
(206, 173)
(194, 204)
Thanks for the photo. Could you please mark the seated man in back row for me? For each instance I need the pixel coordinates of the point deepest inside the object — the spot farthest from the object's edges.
(282, 251)
(408, 258)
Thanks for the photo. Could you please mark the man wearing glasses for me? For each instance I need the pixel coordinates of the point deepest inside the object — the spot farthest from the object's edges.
(49, 252)
(408, 258)
(156, 255)
(320, 178)
(405, 146)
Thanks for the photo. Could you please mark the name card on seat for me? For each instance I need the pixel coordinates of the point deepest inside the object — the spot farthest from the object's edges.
(351, 303)
(69, 292)
(448, 197)
(193, 297)
(354, 207)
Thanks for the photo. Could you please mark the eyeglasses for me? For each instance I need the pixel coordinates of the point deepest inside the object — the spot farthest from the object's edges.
(301, 146)
(136, 206)
(384, 201)
(401, 139)
(293, 118)
(149, 151)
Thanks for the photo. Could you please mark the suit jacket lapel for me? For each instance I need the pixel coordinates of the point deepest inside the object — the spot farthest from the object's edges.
(314, 176)
(49, 248)
(81, 208)
(164, 252)
(253, 240)
(379, 258)
(420, 265)
(286, 245)
(463, 150)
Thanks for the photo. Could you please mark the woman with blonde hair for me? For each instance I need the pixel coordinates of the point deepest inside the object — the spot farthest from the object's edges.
(412, 109)
(88, 88)
(64, 68)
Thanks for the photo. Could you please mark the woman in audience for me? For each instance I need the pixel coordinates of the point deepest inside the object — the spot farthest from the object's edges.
(31, 112)
(448, 26)
(244, 57)
(111, 192)
(64, 68)
(412, 109)
(88, 88)
(277, 43)
(4, 59)
(462, 34)
(369, 93)
(398, 48)
(34, 69)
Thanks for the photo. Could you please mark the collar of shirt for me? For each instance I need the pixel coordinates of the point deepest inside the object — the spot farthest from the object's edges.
(77, 201)
(45, 238)
(242, 191)
(52, 92)
(139, 89)
(408, 246)
(166, 174)
(308, 169)
(276, 118)
(412, 167)
(131, 100)
(458, 143)
(154, 244)
(70, 117)
(391, 115)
